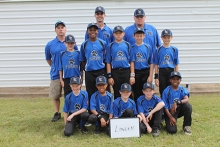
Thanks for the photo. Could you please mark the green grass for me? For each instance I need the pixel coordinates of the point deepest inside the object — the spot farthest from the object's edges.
(26, 122)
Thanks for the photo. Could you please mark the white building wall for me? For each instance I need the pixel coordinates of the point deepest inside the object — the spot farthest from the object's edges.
(26, 27)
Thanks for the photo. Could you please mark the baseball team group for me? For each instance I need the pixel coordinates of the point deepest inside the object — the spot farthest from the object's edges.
(119, 66)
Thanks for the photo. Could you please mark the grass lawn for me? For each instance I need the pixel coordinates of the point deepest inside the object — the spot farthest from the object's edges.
(26, 122)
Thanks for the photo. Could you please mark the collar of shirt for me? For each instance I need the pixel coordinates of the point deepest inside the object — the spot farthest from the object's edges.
(57, 40)
(104, 28)
(145, 26)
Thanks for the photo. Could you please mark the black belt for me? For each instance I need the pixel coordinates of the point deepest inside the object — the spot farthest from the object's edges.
(120, 69)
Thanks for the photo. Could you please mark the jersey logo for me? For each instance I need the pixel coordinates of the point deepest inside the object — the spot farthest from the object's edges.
(139, 55)
(71, 61)
(149, 33)
(77, 106)
(166, 57)
(102, 107)
(106, 35)
(150, 109)
(120, 53)
(94, 53)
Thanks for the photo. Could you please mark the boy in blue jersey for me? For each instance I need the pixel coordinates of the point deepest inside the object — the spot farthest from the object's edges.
(52, 55)
(152, 38)
(123, 106)
(166, 60)
(141, 62)
(69, 65)
(92, 55)
(117, 59)
(150, 108)
(75, 107)
(101, 104)
(176, 102)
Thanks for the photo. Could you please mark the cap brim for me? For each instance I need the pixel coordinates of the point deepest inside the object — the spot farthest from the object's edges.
(139, 32)
(125, 90)
(60, 24)
(175, 76)
(92, 26)
(118, 30)
(148, 87)
(101, 83)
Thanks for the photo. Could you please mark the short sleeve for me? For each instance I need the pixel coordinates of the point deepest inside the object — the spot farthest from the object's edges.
(139, 106)
(155, 57)
(47, 52)
(115, 109)
(108, 55)
(165, 99)
(93, 102)
(65, 107)
(85, 100)
(82, 53)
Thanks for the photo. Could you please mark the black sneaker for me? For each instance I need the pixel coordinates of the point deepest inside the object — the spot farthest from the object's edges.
(97, 130)
(187, 130)
(88, 124)
(155, 132)
(83, 129)
(56, 117)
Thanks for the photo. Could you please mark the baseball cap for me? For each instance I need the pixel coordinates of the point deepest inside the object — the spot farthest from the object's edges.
(166, 32)
(175, 73)
(99, 9)
(139, 12)
(59, 22)
(125, 87)
(101, 80)
(148, 85)
(118, 28)
(70, 38)
(139, 30)
(75, 80)
(92, 25)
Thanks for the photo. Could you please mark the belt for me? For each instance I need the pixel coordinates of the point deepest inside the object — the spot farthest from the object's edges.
(120, 69)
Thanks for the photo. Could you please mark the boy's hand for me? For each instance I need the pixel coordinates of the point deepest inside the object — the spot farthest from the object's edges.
(149, 79)
(157, 82)
(172, 121)
(103, 122)
(111, 81)
(149, 117)
(173, 109)
(62, 83)
(69, 118)
(149, 129)
(132, 80)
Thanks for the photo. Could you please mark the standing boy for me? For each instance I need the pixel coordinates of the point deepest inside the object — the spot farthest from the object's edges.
(101, 104)
(150, 108)
(69, 65)
(117, 59)
(176, 102)
(52, 54)
(141, 62)
(166, 60)
(75, 106)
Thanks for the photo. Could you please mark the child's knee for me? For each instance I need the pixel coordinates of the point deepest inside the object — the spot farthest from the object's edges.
(143, 128)
(85, 116)
(171, 130)
(129, 113)
(92, 118)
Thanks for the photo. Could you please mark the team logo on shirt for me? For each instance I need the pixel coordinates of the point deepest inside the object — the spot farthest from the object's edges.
(95, 56)
(139, 57)
(102, 107)
(149, 33)
(94, 53)
(149, 109)
(166, 57)
(106, 35)
(120, 57)
(71, 61)
(71, 64)
(77, 106)
(120, 53)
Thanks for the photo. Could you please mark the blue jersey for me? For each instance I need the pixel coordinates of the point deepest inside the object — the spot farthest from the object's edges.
(145, 106)
(119, 106)
(152, 38)
(94, 54)
(142, 56)
(52, 52)
(104, 34)
(166, 57)
(118, 54)
(102, 103)
(69, 64)
(74, 103)
(169, 95)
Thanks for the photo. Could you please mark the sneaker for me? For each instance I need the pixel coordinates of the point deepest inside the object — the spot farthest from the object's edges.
(155, 132)
(88, 124)
(97, 130)
(187, 130)
(83, 129)
(56, 117)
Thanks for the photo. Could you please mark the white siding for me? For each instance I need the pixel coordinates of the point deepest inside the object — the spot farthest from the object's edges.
(27, 26)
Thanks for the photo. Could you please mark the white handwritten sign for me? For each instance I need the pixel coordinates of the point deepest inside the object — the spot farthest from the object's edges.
(124, 127)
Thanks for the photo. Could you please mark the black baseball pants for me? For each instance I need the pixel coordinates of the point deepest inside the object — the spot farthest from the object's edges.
(164, 78)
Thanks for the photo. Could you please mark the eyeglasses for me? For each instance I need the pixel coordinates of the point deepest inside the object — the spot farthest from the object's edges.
(139, 16)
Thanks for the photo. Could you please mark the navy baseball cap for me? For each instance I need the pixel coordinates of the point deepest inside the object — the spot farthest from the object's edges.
(70, 38)
(75, 80)
(139, 12)
(92, 25)
(118, 28)
(166, 32)
(125, 87)
(148, 85)
(175, 73)
(101, 80)
(99, 9)
(141, 30)
(60, 22)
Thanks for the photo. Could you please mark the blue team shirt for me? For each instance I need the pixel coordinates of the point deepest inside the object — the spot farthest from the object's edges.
(142, 56)
(93, 54)
(69, 64)
(102, 103)
(152, 38)
(145, 106)
(104, 34)
(52, 52)
(169, 95)
(118, 54)
(166, 57)
(74, 103)
(119, 106)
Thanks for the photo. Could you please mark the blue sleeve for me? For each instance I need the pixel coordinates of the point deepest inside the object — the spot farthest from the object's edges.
(75, 47)
(139, 106)
(185, 92)
(165, 99)
(115, 109)
(134, 109)
(85, 100)
(159, 100)
(125, 36)
(66, 105)
(60, 67)
(93, 102)
(112, 37)
(111, 105)
(105, 50)
(47, 52)
(150, 55)
(156, 57)
(158, 41)
(82, 53)
(132, 56)
(108, 55)
(176, 60)
(86, 36)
